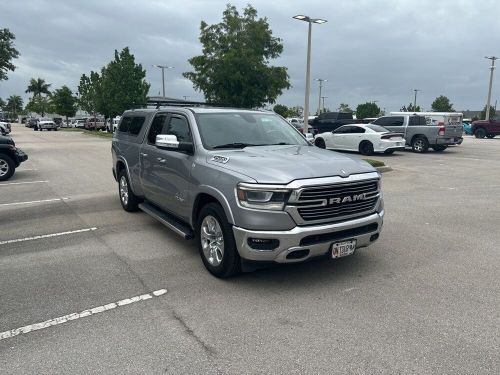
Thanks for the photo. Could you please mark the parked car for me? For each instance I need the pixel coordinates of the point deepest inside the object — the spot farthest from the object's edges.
(488, 129)
(46, 124)
(10, 157)
(95, 123)
(5, 128)
(467, 124)
(329, 121)
(31, 122)
(78, 123)
(365, 139)
(421, 134)
(246, 185)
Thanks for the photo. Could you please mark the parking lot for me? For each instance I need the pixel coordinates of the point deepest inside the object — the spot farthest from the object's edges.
(423, 299)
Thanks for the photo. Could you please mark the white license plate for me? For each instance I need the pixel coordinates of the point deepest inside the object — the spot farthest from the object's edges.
(343, 249)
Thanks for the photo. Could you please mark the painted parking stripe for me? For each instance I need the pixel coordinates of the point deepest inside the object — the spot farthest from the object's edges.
(78, 315)
(23, 183)
(48, 235)
(32, 202)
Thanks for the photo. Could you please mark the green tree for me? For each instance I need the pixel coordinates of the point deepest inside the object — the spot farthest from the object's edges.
(282, 110)
(89, 90)
(64, 102)
(442, 104)
(2, 104)
(122, 85)
(14, 105)
(234, 69)
(410, 108)
(296, 111)
(7, 53)
(40, 104)
(493, 112)
(368, 109)
(38, 87)
(345, 108)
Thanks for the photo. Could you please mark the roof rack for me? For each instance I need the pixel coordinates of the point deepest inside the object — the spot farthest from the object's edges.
(160, 101)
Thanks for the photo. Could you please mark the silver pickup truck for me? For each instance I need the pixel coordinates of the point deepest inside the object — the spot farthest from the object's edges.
(420, 134)
(246, 185)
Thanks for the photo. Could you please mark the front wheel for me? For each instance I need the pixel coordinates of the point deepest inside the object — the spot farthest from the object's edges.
(216, 242)
(129, 201)
(480, 133)
(7, 167)
(320, 142)
(420, 145)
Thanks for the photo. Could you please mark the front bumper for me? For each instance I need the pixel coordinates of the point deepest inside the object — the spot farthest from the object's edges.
(313, 241)
(20, 157)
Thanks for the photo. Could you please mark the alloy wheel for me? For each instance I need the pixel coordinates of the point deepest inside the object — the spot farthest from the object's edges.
(212, 240)
(124, 190)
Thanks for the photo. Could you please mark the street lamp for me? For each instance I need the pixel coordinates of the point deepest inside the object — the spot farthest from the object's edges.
(492, 67)
(415, 100)
(323, 98)
(310, 21)
(163, 67)
(320, 80)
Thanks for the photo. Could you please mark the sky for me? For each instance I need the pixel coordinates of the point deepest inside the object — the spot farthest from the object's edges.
(369, 50)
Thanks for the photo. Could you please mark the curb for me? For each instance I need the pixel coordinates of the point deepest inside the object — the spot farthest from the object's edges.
(384, 169)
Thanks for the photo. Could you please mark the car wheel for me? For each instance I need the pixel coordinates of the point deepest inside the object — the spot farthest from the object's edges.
(439, 148)
(129, 201)
(490, 136)
(216, 242)
(366, 148)
(320, 142)
(480, 133)
(7, 167)
(420, 145)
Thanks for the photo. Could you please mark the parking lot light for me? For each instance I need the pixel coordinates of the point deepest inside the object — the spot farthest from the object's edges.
(492, 68)
(310, 21)
(163, 67)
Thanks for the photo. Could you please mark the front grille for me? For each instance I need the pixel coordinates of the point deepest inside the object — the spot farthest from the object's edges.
(327, 203)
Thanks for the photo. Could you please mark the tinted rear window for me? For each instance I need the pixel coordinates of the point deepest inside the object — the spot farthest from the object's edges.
(377, 128)
(136, 125)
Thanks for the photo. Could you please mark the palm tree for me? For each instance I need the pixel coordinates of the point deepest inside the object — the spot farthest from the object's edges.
(38, 87)
(14, 104)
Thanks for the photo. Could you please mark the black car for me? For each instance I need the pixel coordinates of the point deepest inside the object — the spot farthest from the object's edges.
(10, 157)
(329, 121)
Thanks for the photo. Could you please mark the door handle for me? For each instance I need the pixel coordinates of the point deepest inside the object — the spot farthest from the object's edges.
(161, 160)
(143, 154)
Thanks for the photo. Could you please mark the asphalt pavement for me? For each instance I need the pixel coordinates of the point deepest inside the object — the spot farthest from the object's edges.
(99, 290)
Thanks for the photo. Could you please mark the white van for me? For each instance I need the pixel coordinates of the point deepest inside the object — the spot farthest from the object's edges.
(436, 118)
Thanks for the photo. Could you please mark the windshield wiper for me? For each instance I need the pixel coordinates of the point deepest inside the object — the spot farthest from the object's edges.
(234, 145)
(279, 144)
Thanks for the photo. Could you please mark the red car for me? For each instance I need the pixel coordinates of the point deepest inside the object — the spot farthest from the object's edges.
(488, 129)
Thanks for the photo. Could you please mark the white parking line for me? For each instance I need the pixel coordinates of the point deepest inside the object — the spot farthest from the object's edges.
(31, 202)
(83, 314)
(22, 183)
(48, 235)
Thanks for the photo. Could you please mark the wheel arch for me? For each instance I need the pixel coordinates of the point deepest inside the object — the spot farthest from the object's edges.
(418, 136)
(210, 195)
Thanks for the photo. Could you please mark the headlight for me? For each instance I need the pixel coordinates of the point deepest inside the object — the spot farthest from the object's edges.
(262, 197)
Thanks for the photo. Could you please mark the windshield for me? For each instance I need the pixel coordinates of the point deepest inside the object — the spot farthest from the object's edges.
(377, 128)
(242, 129)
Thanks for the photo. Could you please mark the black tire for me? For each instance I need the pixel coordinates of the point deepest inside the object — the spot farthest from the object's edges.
(226, 263)
(128, 200)
(490, 136)
(480, 133)
(7, 167)
(35, 128)
(320, 142)
(420, 145)
(439, 148)
(389, 152)
(366, 148)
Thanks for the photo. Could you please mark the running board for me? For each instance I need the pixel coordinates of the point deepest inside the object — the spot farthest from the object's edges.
(168, 220)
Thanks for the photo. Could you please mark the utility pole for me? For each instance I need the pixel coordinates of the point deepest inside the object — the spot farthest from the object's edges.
(415, 100)
(320, 80)
(163, 67)
(492, 67)
(324, 97)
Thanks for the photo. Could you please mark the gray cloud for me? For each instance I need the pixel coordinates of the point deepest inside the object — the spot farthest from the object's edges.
(368, 50)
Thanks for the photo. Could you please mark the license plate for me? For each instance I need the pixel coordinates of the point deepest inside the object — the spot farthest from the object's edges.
(343, 249)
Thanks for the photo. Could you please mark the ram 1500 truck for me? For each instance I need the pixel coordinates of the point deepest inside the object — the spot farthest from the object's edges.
(246, 185)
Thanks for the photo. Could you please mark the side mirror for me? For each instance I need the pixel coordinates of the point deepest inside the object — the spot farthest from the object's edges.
(170, 142)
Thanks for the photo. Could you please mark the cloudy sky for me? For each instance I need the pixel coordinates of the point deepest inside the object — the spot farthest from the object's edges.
(369, 50)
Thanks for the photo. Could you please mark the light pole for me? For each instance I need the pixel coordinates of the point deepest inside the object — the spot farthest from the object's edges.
(324, 97)
(415, 100)
(185, 97)
(310, 21)
(163, 67)
(320, 80)
(492, 67)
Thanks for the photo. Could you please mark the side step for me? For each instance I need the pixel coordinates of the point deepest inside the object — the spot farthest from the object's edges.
(168, 220)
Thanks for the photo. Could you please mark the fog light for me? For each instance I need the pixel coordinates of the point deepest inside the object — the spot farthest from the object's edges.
(374, 237)
(263, 243)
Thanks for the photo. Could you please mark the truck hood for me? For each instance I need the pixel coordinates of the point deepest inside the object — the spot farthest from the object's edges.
(283, 164)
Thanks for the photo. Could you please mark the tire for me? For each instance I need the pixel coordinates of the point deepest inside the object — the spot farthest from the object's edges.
(35, 128)
(222, 262)
(389, 152)
(7, 167)
(56, 129)
(490, 136)
(320, 142)
(365, 148)
(480, 133)
(128, 200)
(420, 145)
(439, 148)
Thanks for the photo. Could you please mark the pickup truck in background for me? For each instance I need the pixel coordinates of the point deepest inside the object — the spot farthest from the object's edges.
(488, 129)
(329, 121)
(246, 185)
(420, 133)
